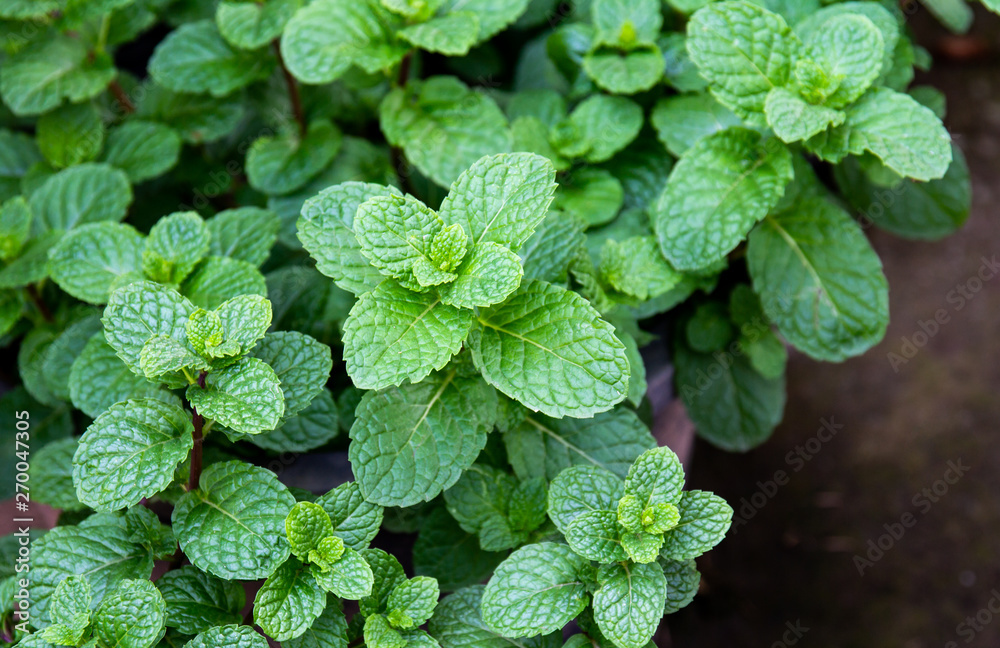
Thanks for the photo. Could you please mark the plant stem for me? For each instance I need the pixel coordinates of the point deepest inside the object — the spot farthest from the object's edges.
(404, 69)
(121, 97)
(36, 299)
(293, 89)
(198, 420)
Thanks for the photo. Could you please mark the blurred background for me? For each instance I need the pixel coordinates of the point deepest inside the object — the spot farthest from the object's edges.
(898, 428)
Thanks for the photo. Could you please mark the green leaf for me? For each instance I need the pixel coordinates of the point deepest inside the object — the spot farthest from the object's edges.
(635, 267)
(379, 634)
(594, 535)
(349, 578)
(245, 319)
(413, 441)
(218, 279)
(443, 126)
(580, 490)
(70, 134)
(196, 118)
(849, 47)
(446, 552)
(196, 601)
(143, 149)
(388, 573)
(624, 23)
(493, 15)
(30, 359)
(130, 452)
(174, 247)
(483, 492)
(683, 120)
(550, 250)
(919, 210)
(328, 631)
(228, 636)
(655, 477)
(732, 406)
(131, 616)
(743, 51)
(100, 549)
(52, 475)
(245, 396)
(70, 611)
(288, 602)
(905, 135)
(306, 525)
(579, 366)
(592, 195)
(233, 526)
(625, 72)
(195, 58)
(98, 379)
(244, 233)
(251, 25)
(683, 580)
(58, 358)
(452, 34)
(543, 447)
(705, 518)
(489, 274)
(320, 42)
(326, 230)
(284, 163)
(139, 311)
(629, 603)
(819, 280)
(535, 591)
(395, 232)
(412, 603)
(12, 304)
(86, 193)
(88, 261)
(956, 16)
(32, 266)
(311, 428)
(394, 334)
(163, 359)
(301, 364)
(15, 227)
(356, 521)
(602, 126)
(716, 193)
(457, 624)
(794, 119)
(36, 79)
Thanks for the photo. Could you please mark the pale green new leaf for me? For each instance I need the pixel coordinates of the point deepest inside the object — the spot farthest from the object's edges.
(196, 601)
(716, 193)
(131, 616)
(130, 452)
(395, 232)
(537, 590)
(71, 603)
(306, 525)
(86, 193)
(284, 163)
(349, 578)
(819, 280)
(410, 442)
(794, 119)
(849, 47)
(629, 603)
(195, 58)
(288, 602)
(90, 259)
(245, 319)
(579, 367)
(655, 477)
(394, 334)
(705, 518)
(245, 396)
(413, 601)
(488, 275)
(233, 526)
(174, 247)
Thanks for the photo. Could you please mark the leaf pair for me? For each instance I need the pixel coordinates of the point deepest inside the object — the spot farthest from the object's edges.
(397, 605)
(132, 615)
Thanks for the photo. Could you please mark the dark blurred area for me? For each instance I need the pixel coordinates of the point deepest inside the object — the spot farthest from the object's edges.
(882, 527)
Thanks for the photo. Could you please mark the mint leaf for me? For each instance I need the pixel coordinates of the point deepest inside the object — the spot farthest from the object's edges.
(629, 603)
(595, 536)
(543, 447)
(635, 267)
(306, 525)
(452, 556)
(535, 591)
(705, 518)
(174, 247)
(196, 118)
(36, 79)
(59, 356)
(320, 42)
(131, 616)
(794, 119)
(743, 51)
(140, 311)
(443, 126)
(683, 580)
(457, 624)
(233, 526)
(582, 489)
(736, 411)
(410, 442)
(592, 195)
(70, 134)
(682, 121)
(228, 636)
(625, 24)
(245, 319)
(245, 396)
(82, 194)
(195, 58)
(71, 602)
(547, 254)
(311, 428)
(15, 227)
(452, 34)
(379, 634)
(349, 578)
(130, 452)
(580, 368)
(52, 474)
(493, 15)
(281, 164)
(394, 334)
(388, 573)
(488, 275)
(850, 48)
(655, 477)
(483, 493)
(355, 520)
(32, 266)
(395, 232)
(196, 601)
(143, 149)
(412, 603)
(89, 260)
(217, 279)
(252, 25)
(328, 631)
(602, 126)
(244, 233)
(829, 299)
(288, 602)
(301, 364)
(163, 359)
(722, 186)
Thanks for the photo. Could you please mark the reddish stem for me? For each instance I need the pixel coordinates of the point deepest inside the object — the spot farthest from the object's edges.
(293, 89)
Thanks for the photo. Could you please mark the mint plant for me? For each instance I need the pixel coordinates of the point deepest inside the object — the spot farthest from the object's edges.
(427, 240)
